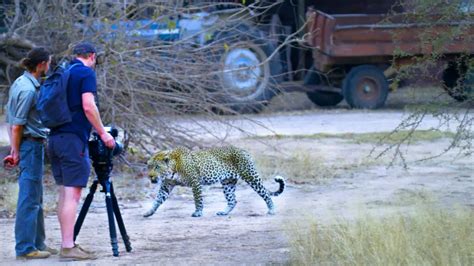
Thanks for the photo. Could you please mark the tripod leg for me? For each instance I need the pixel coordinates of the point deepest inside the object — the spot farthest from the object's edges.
(120, 223)
(110, 214)
(84, 209)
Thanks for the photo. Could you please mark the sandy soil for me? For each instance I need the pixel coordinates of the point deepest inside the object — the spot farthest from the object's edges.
(248, 235)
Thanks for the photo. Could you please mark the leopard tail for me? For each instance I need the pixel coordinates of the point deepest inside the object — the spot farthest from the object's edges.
(281, 181)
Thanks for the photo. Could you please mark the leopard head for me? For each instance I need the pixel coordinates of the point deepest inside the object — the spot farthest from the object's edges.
(160, 166)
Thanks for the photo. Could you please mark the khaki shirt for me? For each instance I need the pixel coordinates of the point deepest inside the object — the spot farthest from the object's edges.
(21, 106)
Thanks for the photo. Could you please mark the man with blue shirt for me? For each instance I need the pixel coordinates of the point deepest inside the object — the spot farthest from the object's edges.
(27, 139)
(68, 145)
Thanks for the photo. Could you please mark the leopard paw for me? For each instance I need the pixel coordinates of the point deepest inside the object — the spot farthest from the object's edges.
(197, 214)
(224, 213)
(148, 213)
(271, 212)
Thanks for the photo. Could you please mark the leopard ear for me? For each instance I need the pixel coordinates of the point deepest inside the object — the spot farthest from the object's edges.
(150, 161)
(166, 157)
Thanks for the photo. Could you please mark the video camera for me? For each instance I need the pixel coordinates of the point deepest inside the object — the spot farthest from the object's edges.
(99, 153)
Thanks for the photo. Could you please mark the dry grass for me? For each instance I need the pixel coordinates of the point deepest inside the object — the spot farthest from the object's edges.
(399, 136)
(406, 197)
(9, 193)
(8, 199)
(302, 167)
(298, 167)
(379, 137)
(130, 187)
(426, 237)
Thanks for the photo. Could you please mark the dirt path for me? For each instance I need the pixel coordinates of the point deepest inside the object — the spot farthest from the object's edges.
(315, 121)
(336, 121)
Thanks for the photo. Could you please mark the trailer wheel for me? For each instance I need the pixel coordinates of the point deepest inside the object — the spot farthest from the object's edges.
(321, 98)
(365, 87)
(459, 82)
(246, 48)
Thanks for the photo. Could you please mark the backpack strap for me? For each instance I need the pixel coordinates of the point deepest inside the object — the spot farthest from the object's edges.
(73, 65)
(77, 108)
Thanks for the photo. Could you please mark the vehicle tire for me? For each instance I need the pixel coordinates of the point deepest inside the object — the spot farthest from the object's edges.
(321, 98)
(365, 87)
(459, 82)
(250, 89)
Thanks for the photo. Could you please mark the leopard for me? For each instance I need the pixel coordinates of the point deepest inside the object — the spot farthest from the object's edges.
(227, 165)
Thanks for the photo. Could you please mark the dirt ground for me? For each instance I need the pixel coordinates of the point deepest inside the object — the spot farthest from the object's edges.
(248, 235)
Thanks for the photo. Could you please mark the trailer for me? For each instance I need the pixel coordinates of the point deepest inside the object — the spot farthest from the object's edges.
(354, 55)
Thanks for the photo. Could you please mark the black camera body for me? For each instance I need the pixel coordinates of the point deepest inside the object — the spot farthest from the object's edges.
(100, 155)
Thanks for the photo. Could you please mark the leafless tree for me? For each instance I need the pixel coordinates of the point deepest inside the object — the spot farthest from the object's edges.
(439, 23)
(147, 83)
(144, 83)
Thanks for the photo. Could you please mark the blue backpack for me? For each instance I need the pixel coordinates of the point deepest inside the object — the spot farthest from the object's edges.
(52, 105)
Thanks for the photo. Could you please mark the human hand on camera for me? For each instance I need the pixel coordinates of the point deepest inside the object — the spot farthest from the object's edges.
(108, 140)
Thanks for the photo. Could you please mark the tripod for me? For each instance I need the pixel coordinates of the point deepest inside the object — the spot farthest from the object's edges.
(103, 170)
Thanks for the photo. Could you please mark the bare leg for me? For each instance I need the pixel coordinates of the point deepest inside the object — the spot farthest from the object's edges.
(67, 207)
(60, 202)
